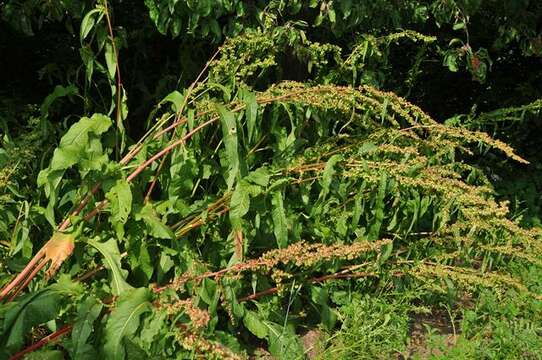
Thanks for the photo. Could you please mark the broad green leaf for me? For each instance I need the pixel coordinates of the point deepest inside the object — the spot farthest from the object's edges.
(356, 215)
(87, 55)
(175, 98)
(77, 135)
(451, 60)
(58, 92)
(327, 176)
(29, 311)
(378, 209)
(164, 265)
(251, 112)
(259, 177)
(111, 255)
(283, 340)
(280, 226)
(155, 226)
(133, 350)
(254, 324)
(88, 23)
(152, 326)
(346, 8)
(81, 145)
(124, 321)
(88, 312)
(229, 136)
(328, 316)
(34, 309)
(111, 61)
(386, 253)
(184, 172)
(459, 25)
(138, 252)
(239, 204)
(210, 294)
(120, 198)
(4, 157)
(332, 16)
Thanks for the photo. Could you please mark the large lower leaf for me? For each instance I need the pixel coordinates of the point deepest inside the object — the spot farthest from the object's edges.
(124, 321)
(88, 312)
(33, 309)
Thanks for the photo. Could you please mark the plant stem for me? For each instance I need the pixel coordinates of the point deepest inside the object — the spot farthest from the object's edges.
(46, 340)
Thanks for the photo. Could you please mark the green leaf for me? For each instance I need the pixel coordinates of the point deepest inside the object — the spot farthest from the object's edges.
(327, 176)
(332, 16)
(280, 226)
(346, 8)
(451, 60)
(152, 327)
(88, 312)
(229, 136)
(328, 316)
(239, 204)
(111, 255)
(259, 177)
(378, 209)
(133, 350)
(459, 25)
(120, 198)
(251, 112)
(80, 144)
(58, 92)
(253, 323)
(386, 253)
(155, 227)
(120, 119)
(33, 309)
(210, 294)
(88, 23)
(88, 60)
(124, 321)
(175, 98)
(29, 311)
(283, 340)
(110, 60)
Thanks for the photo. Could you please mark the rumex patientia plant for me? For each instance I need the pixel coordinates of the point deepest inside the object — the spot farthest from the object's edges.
(258, 201)
(241, 215)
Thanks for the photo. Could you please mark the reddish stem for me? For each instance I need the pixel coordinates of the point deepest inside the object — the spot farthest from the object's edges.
(46, 340)
(29, 278)
(28, 268)
(168, 148)
(80, 207)
(153, 183)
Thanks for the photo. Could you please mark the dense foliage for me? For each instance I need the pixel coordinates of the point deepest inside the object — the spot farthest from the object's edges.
(287, 178)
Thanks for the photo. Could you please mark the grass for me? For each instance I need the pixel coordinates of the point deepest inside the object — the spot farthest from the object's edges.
(486, 326)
